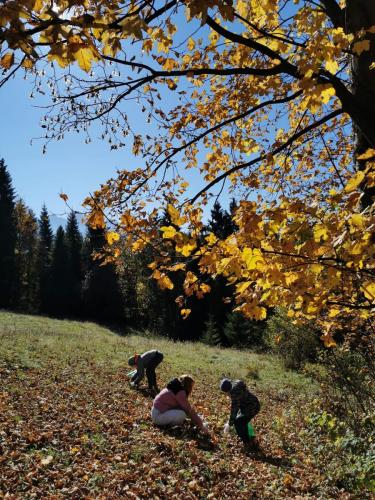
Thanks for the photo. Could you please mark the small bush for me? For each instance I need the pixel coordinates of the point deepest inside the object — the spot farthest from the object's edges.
(347, 382)
(348, 457)
(253, 371)
(296, 344)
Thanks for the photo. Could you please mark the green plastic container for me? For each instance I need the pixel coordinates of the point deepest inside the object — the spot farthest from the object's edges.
(250, 430)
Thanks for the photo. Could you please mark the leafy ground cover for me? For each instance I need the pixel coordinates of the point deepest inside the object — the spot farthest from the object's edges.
(70, 425)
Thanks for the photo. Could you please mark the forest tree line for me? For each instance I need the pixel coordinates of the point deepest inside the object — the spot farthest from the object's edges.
(59, 275)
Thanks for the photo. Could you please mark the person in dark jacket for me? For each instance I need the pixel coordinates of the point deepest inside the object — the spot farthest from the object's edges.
(146, 362)
(244, 406)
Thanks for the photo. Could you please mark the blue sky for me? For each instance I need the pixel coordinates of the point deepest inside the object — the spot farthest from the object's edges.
(68, 166)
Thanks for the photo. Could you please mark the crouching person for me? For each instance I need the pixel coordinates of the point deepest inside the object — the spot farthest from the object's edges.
(244, 406)
(148, 361)
(171, 405)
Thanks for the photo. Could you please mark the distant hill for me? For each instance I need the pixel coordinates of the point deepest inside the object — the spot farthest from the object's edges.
(57, 221)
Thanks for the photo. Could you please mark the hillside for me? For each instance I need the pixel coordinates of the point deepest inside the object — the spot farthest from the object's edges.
(70, 425)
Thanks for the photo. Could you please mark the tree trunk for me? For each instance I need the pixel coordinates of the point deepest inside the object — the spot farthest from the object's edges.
(360, 15)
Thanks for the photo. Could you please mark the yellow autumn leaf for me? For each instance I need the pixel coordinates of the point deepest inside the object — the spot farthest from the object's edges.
(187, 248)
(320, 233)
(164, 282)
(252, 258)
(84, 58)
(368, 289)
(355, 181)
(111, 237)
(361, 46)
(332, 66)
(168, 232)
(326, 94)
(7, 60)
(328, 340)
(369, 153)
(241, 287)
(27, 63)
(133, 26)
(259, 313)
(211, 239)
(191, 44)
(185, 313)
(175, 216)
(96, 219)
(357, 220)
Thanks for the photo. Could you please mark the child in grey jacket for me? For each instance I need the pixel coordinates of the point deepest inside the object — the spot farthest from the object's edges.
(244, 406)
(146, 362)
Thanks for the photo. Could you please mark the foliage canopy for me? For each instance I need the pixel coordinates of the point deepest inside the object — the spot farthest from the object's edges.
(278, 94)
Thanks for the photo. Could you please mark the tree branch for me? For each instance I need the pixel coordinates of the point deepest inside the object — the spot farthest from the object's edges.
(263, 156)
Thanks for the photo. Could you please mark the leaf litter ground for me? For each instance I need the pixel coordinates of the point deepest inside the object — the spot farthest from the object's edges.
(73, 428)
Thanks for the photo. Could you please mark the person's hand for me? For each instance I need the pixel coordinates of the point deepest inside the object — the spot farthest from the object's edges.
(226, 428)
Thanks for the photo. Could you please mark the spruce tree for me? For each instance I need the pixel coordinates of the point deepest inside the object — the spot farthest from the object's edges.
(44, 260)
(243, 332)
(60, 291)
(211, 334)
(74, 262)
(220, 222)
(26, 285)
(7, 237)
(101, 291)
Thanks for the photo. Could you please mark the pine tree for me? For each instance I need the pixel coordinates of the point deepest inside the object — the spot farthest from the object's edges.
(74, 255)
(60, 291)
(212, 334)
(44, 260)
(220, 223)
(243, 332)
(101, 291)
(7, 237)
(26, 285)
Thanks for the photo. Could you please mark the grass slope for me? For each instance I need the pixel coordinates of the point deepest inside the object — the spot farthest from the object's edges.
(70, 425)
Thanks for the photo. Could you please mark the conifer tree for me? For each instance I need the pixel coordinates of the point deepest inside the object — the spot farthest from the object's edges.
(44, 260)
(243, 332)
(26, 285)
(60, 291)
(101, 290)
(7, 237)
(74, 263)
(212, 334)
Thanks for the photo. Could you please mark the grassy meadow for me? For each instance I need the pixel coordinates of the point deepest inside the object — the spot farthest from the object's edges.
(72, 427)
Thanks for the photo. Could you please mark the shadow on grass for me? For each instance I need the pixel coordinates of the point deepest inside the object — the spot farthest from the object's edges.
(261, 456)
(186, 433)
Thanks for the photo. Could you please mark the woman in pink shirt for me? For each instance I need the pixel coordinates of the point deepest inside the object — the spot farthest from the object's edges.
(171, 405)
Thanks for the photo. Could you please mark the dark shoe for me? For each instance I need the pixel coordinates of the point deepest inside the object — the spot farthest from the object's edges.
(252, 445)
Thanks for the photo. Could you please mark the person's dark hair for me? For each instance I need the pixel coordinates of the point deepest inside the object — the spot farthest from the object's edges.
(226, 385)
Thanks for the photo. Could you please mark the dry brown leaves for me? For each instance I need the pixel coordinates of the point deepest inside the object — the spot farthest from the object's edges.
(82, 432)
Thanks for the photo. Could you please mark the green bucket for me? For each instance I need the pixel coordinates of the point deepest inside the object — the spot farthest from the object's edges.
(250, 430)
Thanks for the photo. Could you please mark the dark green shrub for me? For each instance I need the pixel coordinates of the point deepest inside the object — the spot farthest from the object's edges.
(295, 344)
(348, 384)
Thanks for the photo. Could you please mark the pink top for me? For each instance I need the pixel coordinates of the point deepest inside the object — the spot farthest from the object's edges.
(167, 400)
